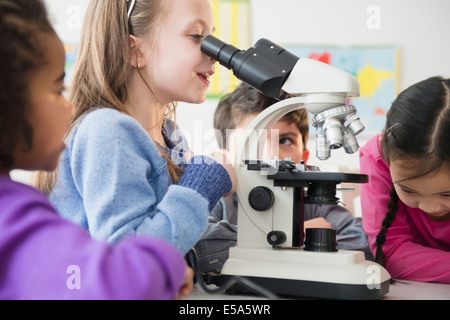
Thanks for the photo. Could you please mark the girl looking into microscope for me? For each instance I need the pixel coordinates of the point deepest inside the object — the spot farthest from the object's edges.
(127, 170)
(406, 204)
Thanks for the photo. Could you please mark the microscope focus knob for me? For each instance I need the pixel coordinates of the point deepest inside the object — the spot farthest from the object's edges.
(276, 238)
(261, 198)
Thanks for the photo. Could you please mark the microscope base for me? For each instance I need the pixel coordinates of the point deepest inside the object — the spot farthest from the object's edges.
(299, 273)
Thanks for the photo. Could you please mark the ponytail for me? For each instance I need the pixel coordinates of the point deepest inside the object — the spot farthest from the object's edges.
(387, 222)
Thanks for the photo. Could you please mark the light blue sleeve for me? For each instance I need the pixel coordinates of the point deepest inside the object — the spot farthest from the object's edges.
(123, 181)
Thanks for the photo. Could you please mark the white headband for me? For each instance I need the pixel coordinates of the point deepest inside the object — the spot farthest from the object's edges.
(130, 9)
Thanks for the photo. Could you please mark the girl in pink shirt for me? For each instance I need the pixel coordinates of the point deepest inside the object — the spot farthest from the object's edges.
(406, 204)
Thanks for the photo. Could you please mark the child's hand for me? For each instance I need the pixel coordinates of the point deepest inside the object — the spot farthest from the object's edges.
(221, 156)
(188, 285)
(318, 223)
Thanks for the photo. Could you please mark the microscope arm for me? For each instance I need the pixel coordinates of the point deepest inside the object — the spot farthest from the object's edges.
(254, 138)
(254, 135)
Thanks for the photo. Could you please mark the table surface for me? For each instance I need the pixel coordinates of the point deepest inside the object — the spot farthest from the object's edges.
(400, 290)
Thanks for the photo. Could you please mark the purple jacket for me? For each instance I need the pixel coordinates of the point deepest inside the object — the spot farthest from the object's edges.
(43, 256)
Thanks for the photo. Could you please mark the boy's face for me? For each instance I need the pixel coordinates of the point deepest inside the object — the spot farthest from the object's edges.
(49, 112)
(290, 142)
(430, 193)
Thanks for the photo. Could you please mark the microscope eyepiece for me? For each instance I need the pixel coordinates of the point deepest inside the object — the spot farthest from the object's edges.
(219, 50)
(266, 66)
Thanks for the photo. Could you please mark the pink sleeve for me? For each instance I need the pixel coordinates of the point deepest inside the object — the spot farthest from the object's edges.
(404, 258)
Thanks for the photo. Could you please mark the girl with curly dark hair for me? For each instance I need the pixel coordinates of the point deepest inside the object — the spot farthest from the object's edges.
(42, 255)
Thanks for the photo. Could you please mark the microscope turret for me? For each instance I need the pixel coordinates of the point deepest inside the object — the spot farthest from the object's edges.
(271, 192)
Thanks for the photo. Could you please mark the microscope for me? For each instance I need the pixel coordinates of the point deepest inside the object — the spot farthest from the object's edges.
(272, 248)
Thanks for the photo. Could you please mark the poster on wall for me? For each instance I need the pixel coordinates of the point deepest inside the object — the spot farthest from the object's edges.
(377, 70)
(232, 22)
(71, 57)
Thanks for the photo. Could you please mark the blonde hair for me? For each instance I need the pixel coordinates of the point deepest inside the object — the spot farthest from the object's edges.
(103, 64)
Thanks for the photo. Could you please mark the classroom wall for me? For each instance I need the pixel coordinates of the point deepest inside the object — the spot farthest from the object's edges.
(418, 27)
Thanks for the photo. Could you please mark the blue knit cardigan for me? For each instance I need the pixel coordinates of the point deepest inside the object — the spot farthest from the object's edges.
(113, 181)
